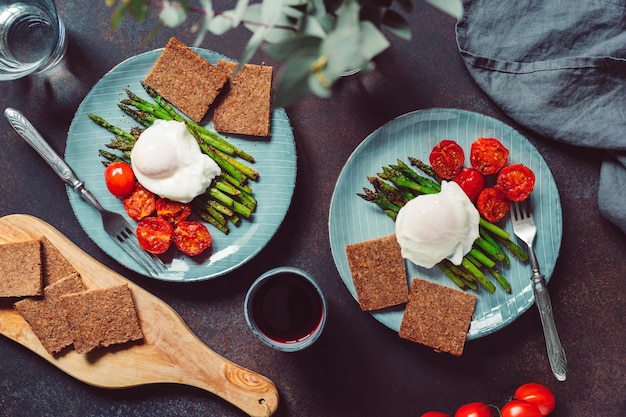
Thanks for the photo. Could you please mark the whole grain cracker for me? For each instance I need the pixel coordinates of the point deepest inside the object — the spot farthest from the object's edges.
(378, 272)
(55, 265)
(245, 104)
(21, 269)
(437, 316)
(46, 316)
(102, 317)
(185, 79)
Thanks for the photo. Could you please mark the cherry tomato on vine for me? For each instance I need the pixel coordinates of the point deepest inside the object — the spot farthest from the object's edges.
(488, 155)
(154, 234)
(119, 179)
(140, 203)
(520, 408)
(517, 181)
(191, 238)
(435, 414)
(447, 158)
(537, 394)
(475, 409)
(471, 181)
(492, 204)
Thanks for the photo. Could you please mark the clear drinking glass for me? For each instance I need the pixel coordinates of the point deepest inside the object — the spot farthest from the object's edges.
(32, 38)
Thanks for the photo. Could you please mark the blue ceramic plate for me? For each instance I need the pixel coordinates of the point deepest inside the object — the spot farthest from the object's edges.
(353, 220)
(275, 160)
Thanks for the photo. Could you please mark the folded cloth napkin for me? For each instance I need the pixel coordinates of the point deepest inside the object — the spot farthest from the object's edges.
(559, 69)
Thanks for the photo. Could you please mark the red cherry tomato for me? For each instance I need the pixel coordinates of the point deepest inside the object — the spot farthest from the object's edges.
(475, 409)
(492, 204)
(192, 238)
(435, 414)
(537, 394)
(520, 408)
(447, 159)
(471, 181)
(154, 234)
(119, 179)
(140, 203)
(488, 155)
(172, 211)
(517, 181)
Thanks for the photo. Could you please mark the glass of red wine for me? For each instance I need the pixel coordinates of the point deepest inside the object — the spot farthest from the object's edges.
(286, 309)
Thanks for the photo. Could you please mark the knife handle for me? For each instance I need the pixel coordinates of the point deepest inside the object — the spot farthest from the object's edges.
(28, 132)
(556, 353)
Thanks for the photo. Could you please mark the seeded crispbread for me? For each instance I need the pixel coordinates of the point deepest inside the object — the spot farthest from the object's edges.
(245, 104)
(185, 79)
(437, 316)
(378, 272)
(21, 269)
(46, 316)
(55, 266)
(101, 317)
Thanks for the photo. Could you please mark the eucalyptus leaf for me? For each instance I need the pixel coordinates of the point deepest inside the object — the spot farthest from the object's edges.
(118, 17)
(293, 79)
(172, 14)
(220, 24)
(397, 24)
(138, 9)
(373, 40)
(253, 45)
(282, 51)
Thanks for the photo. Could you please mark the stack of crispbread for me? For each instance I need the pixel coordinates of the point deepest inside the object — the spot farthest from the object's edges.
(241, 100)
(435, 315)
(53, 299)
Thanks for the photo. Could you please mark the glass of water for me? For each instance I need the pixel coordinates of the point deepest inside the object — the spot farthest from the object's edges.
(32, 38)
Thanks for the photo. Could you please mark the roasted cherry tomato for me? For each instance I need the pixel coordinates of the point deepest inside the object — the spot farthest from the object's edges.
(119, 179)
(172, 211)
(471, 181)
(140, 203)
(488, 155)
(447, 159)
(192, 238)
(475, 409)
(435, 414)
(492, 204)
(537, 394)
(154, 234)
(517, 181)
(520, 408)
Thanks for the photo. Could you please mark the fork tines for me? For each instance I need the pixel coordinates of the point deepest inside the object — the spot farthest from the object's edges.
(127, 240)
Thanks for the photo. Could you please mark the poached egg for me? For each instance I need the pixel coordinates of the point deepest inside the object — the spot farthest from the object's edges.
(434, 227)
(167, 160)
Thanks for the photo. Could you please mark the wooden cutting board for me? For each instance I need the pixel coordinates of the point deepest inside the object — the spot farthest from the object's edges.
(169, 353)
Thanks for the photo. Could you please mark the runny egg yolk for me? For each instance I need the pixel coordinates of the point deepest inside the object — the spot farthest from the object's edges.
(433, 227)
(168, 161)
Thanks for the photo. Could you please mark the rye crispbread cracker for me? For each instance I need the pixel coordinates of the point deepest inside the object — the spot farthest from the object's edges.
(185, 79)
(55, 265)
(102, 317)
(46, 316)
(245, 104)
(378, 272)
(21, 269)
(437, 316)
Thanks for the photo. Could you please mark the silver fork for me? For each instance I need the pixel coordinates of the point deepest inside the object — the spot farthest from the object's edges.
(114, 223)
(526, 230)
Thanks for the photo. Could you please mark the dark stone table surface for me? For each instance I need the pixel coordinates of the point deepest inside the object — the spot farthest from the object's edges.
(359, 367)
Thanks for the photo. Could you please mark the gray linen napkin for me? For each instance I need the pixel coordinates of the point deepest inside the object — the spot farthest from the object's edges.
(557, 67)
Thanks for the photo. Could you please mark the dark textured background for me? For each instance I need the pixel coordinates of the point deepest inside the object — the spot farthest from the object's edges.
(358, 367)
